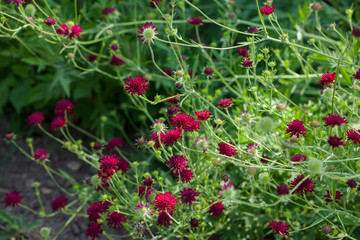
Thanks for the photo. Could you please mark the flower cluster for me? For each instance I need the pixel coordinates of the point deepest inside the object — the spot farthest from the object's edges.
(71, 32)
(179, 168)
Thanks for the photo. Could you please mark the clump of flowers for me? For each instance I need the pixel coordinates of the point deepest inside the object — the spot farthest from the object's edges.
(71, 32)
(216, 209)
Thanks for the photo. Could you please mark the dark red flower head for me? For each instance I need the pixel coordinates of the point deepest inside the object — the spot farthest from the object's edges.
(136, 85)
(208, 71)
(59, 203)
(357, 75)
(35, 118)
(108, 166)
(185, 175)
(253, 30)
(155, 137)
(57, 124)
(296, 128)
(75, 31)
(164, 219)
(188, 196)
(148, 181)
(63, 29)
(267, 10)
(356, 32)
(305, 187)
(327, 78)
(203, 115)
(94, 230)
(243, 52)
(353, 136)
(195, 21)
(108, 10)
(97, 146)
(224, 103)
(176, 163)
(10, 136)
(16, 2)
(216, 209)
(115, 220)
(50, 21)
(335, 141)
(92, 57)
(247, 63)
(184, 121)
(173, 100)
(40, 154)
(351, 183)
(147, 33)
(282, 189)
(194, 222)
(62, 107)
(123, 165)
(172, 110)
(279, 227)
(227, 149)
(114, 46)
(116, 61)
(12, 199)
(328, 197)
(172, 136)
(165, 202)
(298, 158)
(167, 72)
(96, 209)
(114, 143)
(333, 119)
(144, 190)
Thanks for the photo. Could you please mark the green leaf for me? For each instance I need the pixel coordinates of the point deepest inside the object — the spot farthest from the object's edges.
(5, 217)
(31, 226)
(6, 235)
(356, 47)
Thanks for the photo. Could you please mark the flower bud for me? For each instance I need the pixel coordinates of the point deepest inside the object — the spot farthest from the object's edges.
(150, 144)
(272, 64)
(356, 87)
(135, 164)
(10, 136)
(332, 26)
(315, 166)
(316, 6)
(180, 73)
(264, 177)
(29, 140)
(208, 71)
(311, 41)
(35, 184)
(45, 232)
(179, 85)
(30, 10)
(103, 119)
(326, 229)
(70, 56)
(224, 177)
(280, 106)
(42, 214)
(251, 171)
(284, 36)
(315, 124)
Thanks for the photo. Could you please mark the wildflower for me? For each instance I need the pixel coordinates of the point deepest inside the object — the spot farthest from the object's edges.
(35, 118)
(328, 197)
(335, 141)
(356, 32)
(57, 124)
(333, 119)
(107, 11)
(92, 57)
(195, 21)
(147, 33)
(191, 73)
(123, 165)
(307, 186)
(63, 107)
(185, 175)
(243, 52)
(164, 219)
(176, 163)
(247, 63)
(50, 21)
(208, 71)
(40, 154)
(357, 75)
(59, 203)
(188, 196)
(326, 229)
(353, 136)
(142, 189)
(136, 85)
(280, 106)
(315, 124)
(225, 103)
(251, 148)
(158, 140)
(253, 30)
(227, 149)
(226, 187)
(165, 202)
(173, 100)
(203, 115)
(116, 61)
(108, 165)
(279, 227)
(167, 72)
(201, 143)
(298, 158)
(351, 183)
(75, 31)
(16, 2)
(97, 146)
(12, 199)
(94, 230)
(296, 127)
(327, 78)
(114, 46)
(115, 220)
(267, 10)
(264, 159)
(224, 177)
(146, 207)
(282, 189)
(216, 209)
(184, 121)
(148, 181)
(114, 143)
(172, 136)
(194, 222)
(96, 209)
(173, 110)
(10, 136)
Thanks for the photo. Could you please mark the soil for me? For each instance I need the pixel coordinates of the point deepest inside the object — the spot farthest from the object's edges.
(18, 173)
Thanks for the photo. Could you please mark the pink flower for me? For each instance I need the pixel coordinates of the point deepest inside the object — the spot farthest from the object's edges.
(225, 187)
(35, 118)
(203, 115)
(176, 163)
(136, 85)
(107, 11)
(57, 124)
(12, 199)
(75, 31)
(195, 21)
(158, 140)
(267, 10)
(50, 21)
(225, 103)
(165, 202)
(333, 119)
(16, 2)
(40, 154)
(327, 78)
(279, 227)
(186, 122)
(296, 128)
(116, 61)
(63, 29)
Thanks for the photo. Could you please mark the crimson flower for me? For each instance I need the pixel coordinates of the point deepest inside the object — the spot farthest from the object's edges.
(147, 33)
(247, 63)
(116, 61)
(63, 107)
(173, 110)
(16, 2)
(282, 189)
(296, 127)
(333, 119)
(173, 100)
(307, 186)
(195, 21)
(35, 118)
(108, 165)
(253, 30)
(144, 190)
(165, 202)
(328, 197)
(353, 136)
(216, 209)
(50, 21)
(227, 149)
(136, 85)
(12, 199)
(75, 31)
(57, 124)
(172, 137)
(298, 158)
(351, 183)
(357, 75)
(123, 165)
(115, 220)
(164, 219)
(176, 163)
(114, 143)
(194, 222)
(243, 52)
(96, 209)
(186, 122)
(184, 175)
(59, 203)
(108, 10)
(225, 103)
(92, 57)
(335, 141)
(40, 154)
(94, 230)
(158, 140)
(267, 10)
(203, 115)
(327, 78)
(279, 227)
(188, 196)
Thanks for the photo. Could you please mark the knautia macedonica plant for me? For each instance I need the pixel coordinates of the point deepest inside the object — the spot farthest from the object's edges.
(229, 152)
